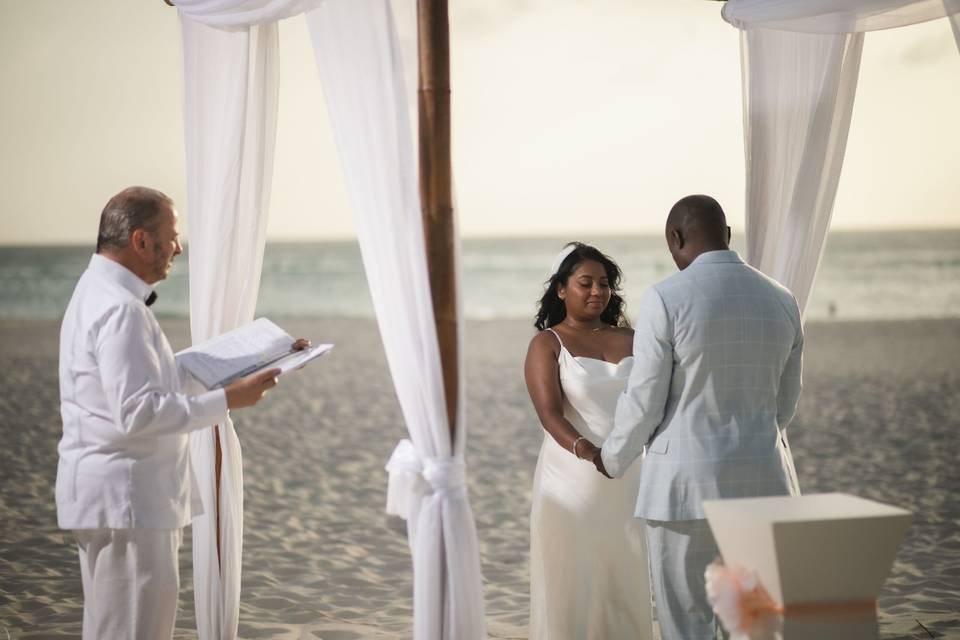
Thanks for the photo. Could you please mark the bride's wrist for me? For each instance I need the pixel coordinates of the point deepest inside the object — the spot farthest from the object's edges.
(577, 444)
(583, 448)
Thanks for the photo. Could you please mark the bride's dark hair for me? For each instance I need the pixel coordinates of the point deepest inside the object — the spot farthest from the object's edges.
(550, 308)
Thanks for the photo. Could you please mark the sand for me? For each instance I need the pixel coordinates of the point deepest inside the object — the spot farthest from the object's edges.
(879, 417)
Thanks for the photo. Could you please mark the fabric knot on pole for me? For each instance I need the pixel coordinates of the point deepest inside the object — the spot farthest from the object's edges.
(418, 487)
(411, 479)
(446, 476)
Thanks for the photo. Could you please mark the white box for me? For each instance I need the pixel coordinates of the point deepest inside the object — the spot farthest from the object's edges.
(819, 548)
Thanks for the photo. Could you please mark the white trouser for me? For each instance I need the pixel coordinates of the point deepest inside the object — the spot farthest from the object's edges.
(679, 553)
(131, 580)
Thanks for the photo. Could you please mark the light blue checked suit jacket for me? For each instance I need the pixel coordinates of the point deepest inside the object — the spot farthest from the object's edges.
(718, 352)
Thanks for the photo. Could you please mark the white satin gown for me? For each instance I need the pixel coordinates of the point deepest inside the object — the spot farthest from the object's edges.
(589, 578)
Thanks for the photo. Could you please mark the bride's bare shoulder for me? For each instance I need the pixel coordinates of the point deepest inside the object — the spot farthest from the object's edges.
(542, 354)
(545, 342)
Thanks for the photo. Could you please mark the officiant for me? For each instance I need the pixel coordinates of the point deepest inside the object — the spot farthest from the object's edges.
(124, 477)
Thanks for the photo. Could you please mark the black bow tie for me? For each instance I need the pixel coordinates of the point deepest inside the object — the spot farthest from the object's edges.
(151, 298)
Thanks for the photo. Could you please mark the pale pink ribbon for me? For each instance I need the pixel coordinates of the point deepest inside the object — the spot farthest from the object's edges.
(746, 610)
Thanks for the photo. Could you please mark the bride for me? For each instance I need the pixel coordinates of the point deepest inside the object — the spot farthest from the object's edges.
(588, 560)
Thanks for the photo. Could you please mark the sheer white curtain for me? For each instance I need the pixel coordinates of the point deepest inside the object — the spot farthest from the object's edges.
(800, 62)
(798, 98)
(796, 133)
(834, 16)
(360, 65)
(230, 77)
(230, 128)
(241, 14)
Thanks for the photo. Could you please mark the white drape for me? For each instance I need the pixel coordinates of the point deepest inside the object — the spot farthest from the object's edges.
(800, 61)
(230, 78)
(798, 91)
(360, 65)
(240, 14)
(230, 129)
(833, 16)
(796, 133)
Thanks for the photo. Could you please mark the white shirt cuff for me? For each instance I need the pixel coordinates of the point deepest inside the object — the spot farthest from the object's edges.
(213, 406)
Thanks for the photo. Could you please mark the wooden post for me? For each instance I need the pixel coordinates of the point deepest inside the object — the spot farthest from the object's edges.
(436, 198)
(436, 186)
(218, 469)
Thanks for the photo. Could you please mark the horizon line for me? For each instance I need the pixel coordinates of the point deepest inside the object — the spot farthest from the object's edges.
(495, 236)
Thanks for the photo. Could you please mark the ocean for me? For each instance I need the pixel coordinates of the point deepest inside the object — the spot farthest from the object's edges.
(864, 276)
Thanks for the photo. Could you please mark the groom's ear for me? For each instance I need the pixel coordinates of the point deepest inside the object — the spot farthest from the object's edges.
(676, 238)
(729, 235)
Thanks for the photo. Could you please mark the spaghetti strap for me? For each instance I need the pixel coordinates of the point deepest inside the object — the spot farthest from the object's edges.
(557, 335)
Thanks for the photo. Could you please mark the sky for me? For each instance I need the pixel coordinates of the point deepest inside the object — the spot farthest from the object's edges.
(569, 116)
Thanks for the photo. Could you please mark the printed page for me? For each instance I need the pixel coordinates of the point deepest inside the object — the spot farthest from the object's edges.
(298, 359)
(236, 353)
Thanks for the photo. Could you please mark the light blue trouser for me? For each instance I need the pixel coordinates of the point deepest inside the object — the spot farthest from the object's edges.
(679, 553)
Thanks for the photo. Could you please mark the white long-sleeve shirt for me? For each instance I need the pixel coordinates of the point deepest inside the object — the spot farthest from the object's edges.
(124, 458)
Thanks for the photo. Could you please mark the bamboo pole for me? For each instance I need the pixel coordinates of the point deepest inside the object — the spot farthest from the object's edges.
(436, 186)
(218, 469)
(436, 200)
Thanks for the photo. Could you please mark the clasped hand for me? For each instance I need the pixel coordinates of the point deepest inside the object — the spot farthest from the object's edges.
(591, 452)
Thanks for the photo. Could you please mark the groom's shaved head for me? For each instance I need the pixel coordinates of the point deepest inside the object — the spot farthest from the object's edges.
(696, 224)
(699, 217)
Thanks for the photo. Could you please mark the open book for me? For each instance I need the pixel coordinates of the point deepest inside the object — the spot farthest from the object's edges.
(245, 350)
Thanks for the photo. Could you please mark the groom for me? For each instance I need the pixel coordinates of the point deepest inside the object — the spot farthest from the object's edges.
(715, 379)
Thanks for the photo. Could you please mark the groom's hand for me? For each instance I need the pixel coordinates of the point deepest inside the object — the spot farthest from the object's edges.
(598, 463)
